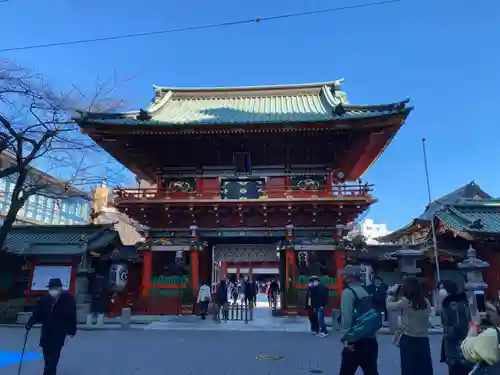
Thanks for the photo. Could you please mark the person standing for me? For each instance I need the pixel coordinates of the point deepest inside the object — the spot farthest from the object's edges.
(254, 287)
(378, 291)
(363, 352)
(456, 317)
(56, 311)
(274, 290)
(204, 295)
(221, 301)
(313, 317)
(440, 296)
(319, 300)
(414, 330)
(247, 291)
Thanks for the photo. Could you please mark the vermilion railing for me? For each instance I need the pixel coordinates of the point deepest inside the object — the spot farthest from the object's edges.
(268, 192)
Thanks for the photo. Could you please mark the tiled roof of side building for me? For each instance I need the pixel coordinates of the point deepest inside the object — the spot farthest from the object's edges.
(58, 239)
(473, 216)
(317, 102)
(468, 191)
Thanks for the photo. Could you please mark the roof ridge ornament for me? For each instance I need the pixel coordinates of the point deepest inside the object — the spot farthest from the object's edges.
(143, 115)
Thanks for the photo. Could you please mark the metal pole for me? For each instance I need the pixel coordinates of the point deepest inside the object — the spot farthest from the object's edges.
(433, 229)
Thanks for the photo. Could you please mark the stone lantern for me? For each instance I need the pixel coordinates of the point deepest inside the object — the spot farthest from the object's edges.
(407, 259)
(472, 268)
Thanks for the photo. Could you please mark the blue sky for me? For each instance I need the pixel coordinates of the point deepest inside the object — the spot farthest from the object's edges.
(444, 55)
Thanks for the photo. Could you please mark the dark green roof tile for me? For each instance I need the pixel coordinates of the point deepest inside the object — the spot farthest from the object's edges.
(307, 103)
(475, 216)
(58, 239)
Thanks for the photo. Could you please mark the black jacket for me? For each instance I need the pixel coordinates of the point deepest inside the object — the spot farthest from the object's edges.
(379, 296)
(318, 295)
(58, 319)
(456, 317)
(221, 294)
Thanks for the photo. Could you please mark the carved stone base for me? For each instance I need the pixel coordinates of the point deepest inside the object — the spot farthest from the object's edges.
(187, 310)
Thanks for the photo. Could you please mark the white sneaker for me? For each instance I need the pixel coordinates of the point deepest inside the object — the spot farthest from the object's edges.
(322, 334)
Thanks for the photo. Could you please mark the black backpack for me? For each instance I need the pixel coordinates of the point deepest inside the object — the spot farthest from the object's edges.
(367, 320)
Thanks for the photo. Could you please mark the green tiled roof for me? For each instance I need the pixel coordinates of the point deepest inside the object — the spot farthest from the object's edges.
(473, 216)
(467, 192)
(58, 239)
(319, 102)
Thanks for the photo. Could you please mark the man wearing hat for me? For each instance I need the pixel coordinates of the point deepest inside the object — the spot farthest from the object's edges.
(56, 311)
(362, 353)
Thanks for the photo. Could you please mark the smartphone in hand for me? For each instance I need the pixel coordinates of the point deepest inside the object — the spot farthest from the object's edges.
(480, 300)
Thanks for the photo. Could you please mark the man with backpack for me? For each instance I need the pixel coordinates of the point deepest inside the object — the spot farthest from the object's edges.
(360, 322)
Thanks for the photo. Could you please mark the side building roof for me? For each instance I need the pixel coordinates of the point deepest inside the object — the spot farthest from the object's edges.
(472, 218)
(59, 239)
(304, 103)
(467, 191)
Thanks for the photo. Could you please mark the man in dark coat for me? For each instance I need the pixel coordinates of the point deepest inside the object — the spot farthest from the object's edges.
(56, 311)
(313, 317)
(456, 317)
(319, 300)
(378, 291)
(221, 300)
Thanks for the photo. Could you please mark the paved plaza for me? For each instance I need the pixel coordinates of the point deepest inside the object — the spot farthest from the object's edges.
(194, 352)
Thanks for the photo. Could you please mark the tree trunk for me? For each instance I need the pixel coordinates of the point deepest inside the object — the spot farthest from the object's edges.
(9, 221)
(16, 203)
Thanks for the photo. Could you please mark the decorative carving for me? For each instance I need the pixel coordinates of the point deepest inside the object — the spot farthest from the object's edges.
(244, 252)
(180, 258)
(162, 242)
(179, 186)
(239, 189)
(309, 183)
(303, 258)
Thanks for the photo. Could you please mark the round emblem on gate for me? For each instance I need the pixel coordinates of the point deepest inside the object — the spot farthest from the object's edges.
(123, 275)
(308, 184)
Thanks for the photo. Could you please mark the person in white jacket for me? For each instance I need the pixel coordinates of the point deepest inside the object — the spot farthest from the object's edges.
(204, 296)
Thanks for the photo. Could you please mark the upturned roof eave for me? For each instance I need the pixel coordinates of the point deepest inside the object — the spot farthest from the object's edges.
(128, 120)
(407, 229)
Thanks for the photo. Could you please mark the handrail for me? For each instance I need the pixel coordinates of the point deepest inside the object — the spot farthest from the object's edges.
(268, 192)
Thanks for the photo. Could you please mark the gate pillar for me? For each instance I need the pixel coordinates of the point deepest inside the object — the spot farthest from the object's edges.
(196, 246)
(290, 256)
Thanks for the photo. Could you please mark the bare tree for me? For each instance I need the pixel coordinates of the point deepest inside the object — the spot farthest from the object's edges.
(39, 135)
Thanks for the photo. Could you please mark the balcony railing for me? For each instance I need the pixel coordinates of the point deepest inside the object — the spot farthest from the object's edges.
(346, 191)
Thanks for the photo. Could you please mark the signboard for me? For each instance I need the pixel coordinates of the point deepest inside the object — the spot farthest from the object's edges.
(42, 275)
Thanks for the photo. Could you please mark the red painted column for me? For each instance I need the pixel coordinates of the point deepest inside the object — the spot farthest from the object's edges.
(289, 256)
(194, 258)
(147, 265)
(339, 257)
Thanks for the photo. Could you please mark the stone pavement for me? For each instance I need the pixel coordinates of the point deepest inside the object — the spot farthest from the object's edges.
(150, 352)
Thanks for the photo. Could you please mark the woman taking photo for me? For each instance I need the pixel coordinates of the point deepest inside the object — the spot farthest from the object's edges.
(482, 345)
(413, 342)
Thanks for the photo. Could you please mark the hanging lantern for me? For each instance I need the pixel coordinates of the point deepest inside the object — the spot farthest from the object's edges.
(303, 258)
(180, 258)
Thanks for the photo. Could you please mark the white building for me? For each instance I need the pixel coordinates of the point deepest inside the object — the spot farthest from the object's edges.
(370, 231)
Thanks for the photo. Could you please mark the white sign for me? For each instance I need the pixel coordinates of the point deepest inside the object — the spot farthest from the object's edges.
(42, 275)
